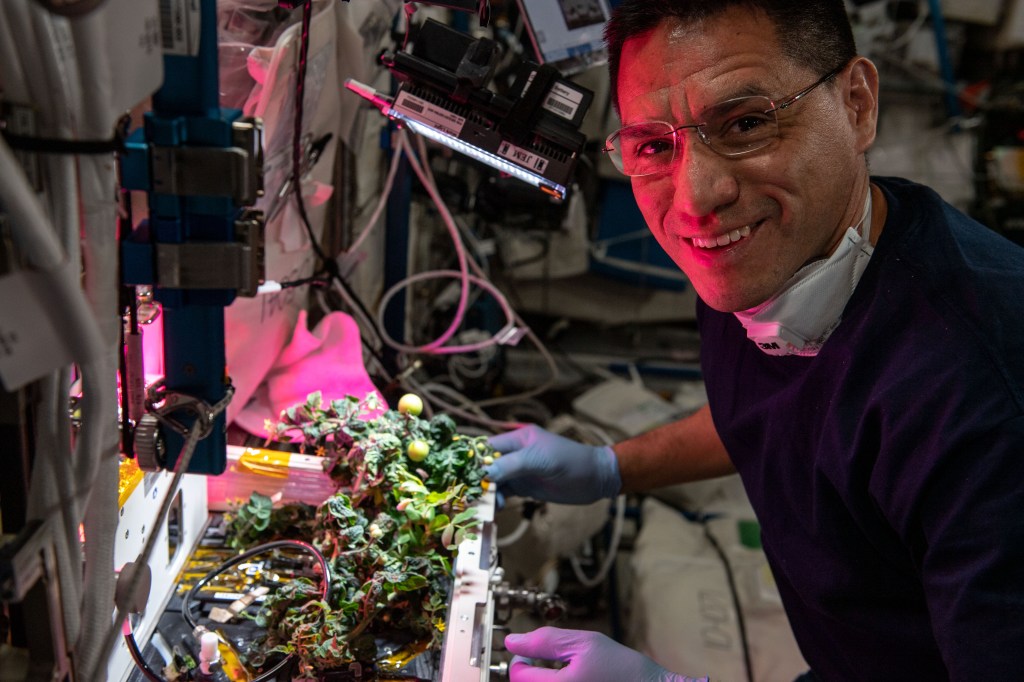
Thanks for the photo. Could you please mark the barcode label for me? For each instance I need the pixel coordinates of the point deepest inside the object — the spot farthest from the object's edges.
(166, 25)
(179, 27)
(553, 103)
(413, 106)
(424, 112)
(563, 101)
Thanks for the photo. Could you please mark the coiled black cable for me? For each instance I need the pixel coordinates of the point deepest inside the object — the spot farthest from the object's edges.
(325, 587)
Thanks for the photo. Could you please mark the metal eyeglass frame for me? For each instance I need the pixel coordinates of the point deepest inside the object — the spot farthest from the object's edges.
(702, 133)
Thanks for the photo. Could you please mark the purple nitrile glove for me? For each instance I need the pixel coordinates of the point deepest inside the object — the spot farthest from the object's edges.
(539, 464)
(590, 657)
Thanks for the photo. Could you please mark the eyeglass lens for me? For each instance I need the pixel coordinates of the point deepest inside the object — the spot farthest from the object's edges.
(733, 127)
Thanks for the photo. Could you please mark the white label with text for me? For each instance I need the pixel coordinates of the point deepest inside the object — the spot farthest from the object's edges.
(421, 110)
(179, 26)
(522, 157)
(563, 101)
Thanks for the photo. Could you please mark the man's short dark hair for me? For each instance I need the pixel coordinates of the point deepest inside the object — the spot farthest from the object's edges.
(814, 33)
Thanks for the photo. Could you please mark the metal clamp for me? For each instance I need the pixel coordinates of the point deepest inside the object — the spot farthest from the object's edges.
(236, 172)
(148, 440)
(180, 402)
(549, 607)
(216, 265)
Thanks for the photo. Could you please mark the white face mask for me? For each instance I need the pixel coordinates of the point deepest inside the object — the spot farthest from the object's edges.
(798, 319)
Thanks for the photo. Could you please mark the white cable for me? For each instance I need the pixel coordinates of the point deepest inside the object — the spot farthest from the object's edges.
(474, 243)
(35, 236)
(402, 146)
(79, 489)
(98, 471)
(537, 390)
(613, 549)
(435, 347)
(541, 348)
(515, 535)
(52, 496)
(358, 314)
(67, 304)
(98, 188)
(498, 338)
(549, 359)
(469, 368)
(389, 182)
(268, 287)
(460, 251)
(617, 524)
(469, 411)
(363, 323)
(481, 280)
(53, 241)
(433, 389)
(14, 79)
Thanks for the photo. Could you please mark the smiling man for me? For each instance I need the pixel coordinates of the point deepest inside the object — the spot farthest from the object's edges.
(862, 343)
(746, 164)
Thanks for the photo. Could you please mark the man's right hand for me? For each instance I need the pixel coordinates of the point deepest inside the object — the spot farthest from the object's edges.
(589, 657)
(539, 464)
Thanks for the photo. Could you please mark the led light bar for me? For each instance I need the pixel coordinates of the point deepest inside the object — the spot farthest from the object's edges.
(441, 129)
(553, 188)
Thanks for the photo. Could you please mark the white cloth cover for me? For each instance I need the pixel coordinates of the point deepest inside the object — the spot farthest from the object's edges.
(682, 612)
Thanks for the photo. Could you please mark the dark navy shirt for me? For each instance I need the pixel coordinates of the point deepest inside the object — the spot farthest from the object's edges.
(888, 471)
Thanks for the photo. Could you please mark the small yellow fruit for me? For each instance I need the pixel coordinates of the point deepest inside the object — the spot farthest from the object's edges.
(417, 450)
(411, 404)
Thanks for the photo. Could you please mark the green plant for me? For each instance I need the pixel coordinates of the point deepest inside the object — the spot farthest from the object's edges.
(388, 534)
(256, 519)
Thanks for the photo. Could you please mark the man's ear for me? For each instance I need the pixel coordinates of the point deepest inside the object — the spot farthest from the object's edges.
(861, 99)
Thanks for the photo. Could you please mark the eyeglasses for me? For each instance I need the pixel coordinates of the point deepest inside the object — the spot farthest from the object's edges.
(732, 128)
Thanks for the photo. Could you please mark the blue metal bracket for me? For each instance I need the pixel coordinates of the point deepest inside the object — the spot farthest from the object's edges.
(200, 165)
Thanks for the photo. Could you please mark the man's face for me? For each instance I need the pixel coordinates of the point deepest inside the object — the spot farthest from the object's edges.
(773, 210)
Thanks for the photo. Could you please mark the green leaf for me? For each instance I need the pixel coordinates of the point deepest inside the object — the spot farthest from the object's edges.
(442, 428)
(464, 515)
(409, 583)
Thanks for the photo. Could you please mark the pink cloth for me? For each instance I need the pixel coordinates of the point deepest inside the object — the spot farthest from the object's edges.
(329, 359)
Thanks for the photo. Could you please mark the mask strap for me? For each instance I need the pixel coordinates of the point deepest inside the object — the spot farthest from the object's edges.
(864, 218)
